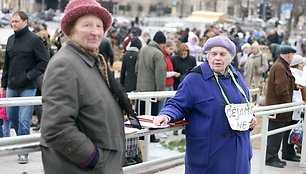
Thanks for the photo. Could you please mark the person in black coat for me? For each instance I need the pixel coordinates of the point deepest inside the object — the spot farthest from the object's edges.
(106, 50)
(128, 76)
(26, 59)
(182, 62)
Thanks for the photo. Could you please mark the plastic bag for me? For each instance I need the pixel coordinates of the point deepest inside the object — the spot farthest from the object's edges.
(296, 135)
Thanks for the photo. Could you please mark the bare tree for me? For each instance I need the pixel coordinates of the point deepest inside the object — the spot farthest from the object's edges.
(298, 11)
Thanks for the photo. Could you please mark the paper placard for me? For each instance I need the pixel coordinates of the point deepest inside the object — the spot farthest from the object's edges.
(239, 116)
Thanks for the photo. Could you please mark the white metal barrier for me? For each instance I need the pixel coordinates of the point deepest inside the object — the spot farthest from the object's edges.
(30, 143)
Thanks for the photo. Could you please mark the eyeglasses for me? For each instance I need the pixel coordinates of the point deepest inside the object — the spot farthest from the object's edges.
(134, 122)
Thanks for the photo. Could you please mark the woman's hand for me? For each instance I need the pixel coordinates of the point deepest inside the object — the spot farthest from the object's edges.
(161, 120)
(253, 122)
(177, 75)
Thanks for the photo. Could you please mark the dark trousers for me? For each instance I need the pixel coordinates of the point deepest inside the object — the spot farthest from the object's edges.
(141, 108)
(274, 142)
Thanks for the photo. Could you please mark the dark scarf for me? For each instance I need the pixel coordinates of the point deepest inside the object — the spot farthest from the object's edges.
(115, 87)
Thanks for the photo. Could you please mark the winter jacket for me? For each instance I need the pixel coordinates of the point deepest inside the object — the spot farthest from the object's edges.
(106, 50)
(193, 45)
(280, 88)
(26, 58)
(151, 68)
(128, 76)
(212, 147)
(80, 114)
(254, 68)
(182, 66)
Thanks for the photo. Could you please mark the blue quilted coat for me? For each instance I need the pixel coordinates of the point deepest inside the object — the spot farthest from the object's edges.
(212, 147)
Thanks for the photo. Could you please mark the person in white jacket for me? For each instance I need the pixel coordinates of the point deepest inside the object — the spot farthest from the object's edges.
(296, 68)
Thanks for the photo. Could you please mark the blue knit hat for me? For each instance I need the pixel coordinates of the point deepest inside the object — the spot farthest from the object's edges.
(220, 41)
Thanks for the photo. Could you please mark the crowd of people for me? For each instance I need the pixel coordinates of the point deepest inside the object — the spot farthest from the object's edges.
(256, 54)
(82, 120)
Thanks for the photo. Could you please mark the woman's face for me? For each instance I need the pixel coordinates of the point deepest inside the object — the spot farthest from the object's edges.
(247, 50)
(88, 32)
(183, 54)
(218, 58)
(170, 50)
(254, 49)
(194, 40)
(301, 66)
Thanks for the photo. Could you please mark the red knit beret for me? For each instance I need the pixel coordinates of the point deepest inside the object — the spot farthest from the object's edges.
(77, 8)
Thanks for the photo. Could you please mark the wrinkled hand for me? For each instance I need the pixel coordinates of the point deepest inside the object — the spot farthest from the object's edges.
(161, 120)
(253, 122)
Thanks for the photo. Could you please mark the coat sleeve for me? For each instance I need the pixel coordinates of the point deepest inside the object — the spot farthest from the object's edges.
(110, 53)
(282, 83)
(4, 77)
(42, 56)
(264, 65)
(122, 72)
(61, 103)
(160, 71)
(180, 105)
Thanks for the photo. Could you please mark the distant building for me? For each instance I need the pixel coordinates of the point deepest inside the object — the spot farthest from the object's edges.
(142, 8)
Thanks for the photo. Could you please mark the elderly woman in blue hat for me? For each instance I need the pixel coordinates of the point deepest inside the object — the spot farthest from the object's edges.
(215, 101)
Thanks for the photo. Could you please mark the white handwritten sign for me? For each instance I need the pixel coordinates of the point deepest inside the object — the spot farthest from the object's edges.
(239, 116)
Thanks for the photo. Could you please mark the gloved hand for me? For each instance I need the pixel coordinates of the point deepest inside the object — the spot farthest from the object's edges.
(122, 97)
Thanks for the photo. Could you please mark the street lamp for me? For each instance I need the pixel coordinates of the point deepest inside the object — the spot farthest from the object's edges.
(59, 5)
(42, 5)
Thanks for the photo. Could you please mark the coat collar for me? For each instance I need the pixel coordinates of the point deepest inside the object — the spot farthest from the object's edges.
(21, 32)
(284, 62)
(154, 44)
(86, 57)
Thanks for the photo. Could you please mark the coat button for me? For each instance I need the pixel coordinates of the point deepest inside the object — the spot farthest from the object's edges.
(69, 149)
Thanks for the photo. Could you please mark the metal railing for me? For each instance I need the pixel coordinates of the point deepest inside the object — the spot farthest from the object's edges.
(30, 143)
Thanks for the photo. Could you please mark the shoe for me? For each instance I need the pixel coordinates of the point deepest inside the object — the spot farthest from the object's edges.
(137, 159)
(23, 159)
(298, 149)
(155, 140)
(175, 132)
(275, 163)
(281, 161)
(183, 131)
(294, 159)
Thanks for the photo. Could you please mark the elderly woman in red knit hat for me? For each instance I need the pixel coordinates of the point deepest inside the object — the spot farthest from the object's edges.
(82, 128)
